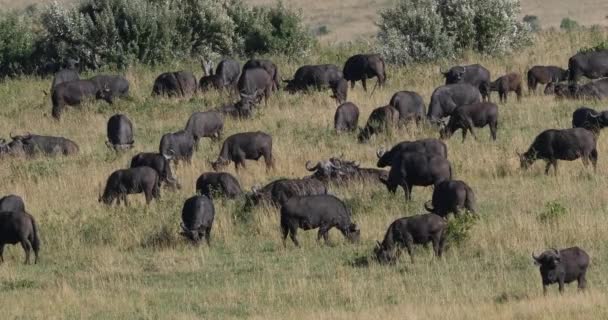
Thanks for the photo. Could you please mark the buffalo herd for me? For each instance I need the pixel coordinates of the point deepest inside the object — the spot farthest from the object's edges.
(461, 103)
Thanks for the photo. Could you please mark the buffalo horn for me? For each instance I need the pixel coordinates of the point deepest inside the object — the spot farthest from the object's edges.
(311, 168)
(428, 206)
(380, 152)
(183, 227)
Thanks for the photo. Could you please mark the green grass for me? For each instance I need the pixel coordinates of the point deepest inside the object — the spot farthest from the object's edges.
(101, 262)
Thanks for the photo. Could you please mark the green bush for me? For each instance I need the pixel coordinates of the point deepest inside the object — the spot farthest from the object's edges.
(568, 24)
(17, 44)
(459, 228)
(552, 213)
(427, 30)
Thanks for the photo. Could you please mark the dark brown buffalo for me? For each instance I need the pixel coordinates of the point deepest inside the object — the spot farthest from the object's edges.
(475, 75)
(269, 67)
(32, 145)
(545, 75)
(346, 117)
(256, 83)
(340, 171)
(19, 227)
(159, 163)
(430, 146)
(198, 214)
(119, 132)
(380, 120)
(12, 203)
(74, 93)
(131, 181)
(279, 191)
(591, 64)
(476, 115)
(361, 67)
(450, 197)
(225, 76)
(245, 146)
(510, 82)
(562, 267)
(410, 106)
(589, 119)
(175, 84)
(218, 183)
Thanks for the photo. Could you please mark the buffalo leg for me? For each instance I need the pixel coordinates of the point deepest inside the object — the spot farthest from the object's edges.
(464, 133)
(582, 282)
(284, 232)
(364, 84)
(518, 92)
(409, 242)
(352, 84)
(124, 199)
(208, 236)
(544, 289)
(269, 162)
(469, 125)
(148, 196)
(493, 130)
(408, 191)
(593, 158)
(293, 233)
(441, 244)
(27, 247)
(323, 232)
(560, 282)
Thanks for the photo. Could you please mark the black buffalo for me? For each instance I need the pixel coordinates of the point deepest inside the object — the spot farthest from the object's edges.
(410, 106)
(159, 163)
(255, 83)
(562, 267)
(361, 67)
(110, 87)
(467, 117)
(32, 145)
(428, 146)
(12, 203)
(19, 227)
(73, 93)
(340, 171)
(321, 211)
(346, 117)
(209, 124)
(447, 98)
(242, 109)
(218, 183)
(225, 76)
(475, 75)
(450, 197)
(594, 90)
(177, 146)
(411, 169)
(279, 191)
(589, 119)
(566, 144)
(591, 64)
(269, 67)
(120, 132)
(510, 82)
(197, 219)
(131, 181)
(319, 77)
(545, 75)
(406, 232)
(245, 146)
(381, 119)
(175, 84)
(65, 75)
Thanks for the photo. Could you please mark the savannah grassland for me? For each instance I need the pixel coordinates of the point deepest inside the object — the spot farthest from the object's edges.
(129, 263)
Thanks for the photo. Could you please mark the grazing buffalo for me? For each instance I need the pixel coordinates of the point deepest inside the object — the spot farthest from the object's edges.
(320, 211)
(451, 196)
(159, 163)
(411, 169)
(19, 227)
(338, 170)
(428, 146)
(510, 82)
(380, 120)
(563, 266)
(589, 119)
(269, 67)
(406, 232)
(594, 90)
(361, 67)
(545, 75)
(197, 219)
(476, 115)
(120, 132)
(110, 87)
(175, 84)
(131, 181)
(226, 75)
(279, 191)
(475, 75)
(447, 98)
(31, 145)
(12, 203)
(218, 183)
(318, 77)
(177, 146)
(591, 64)
(346, 117)
(255, 83)
(207, 124)
(73, 93)
(566, 144)
(410, 106)
(245, 146)
(242, 109)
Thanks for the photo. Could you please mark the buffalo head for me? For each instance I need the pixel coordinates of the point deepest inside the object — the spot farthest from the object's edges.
(526, 159)
(354, 233)
(550, 258)
(454, 75)
(194, 235)
(219, 163)
(105, 94)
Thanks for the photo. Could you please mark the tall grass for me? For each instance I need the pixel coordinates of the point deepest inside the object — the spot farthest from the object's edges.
(107, 262)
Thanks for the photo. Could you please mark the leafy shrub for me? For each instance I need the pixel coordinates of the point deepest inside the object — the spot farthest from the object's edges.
(427, 30)
(568, 24)
(459, 228)
(533, 22)
(552, 213)
(17, 44)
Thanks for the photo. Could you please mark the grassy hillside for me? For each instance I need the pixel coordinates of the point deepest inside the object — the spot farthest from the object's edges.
(106, 262)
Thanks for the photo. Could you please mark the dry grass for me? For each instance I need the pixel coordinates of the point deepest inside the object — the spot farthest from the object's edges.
(102, 262)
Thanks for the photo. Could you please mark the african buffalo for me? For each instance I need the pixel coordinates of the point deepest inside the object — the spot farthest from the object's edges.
(410, 106)
(511, 82)
(225, 76)
(73, 93)
(175, 84)
(563, 266)
(476, 115)
(449, 197)
(19, 227)
(447, 98)
(594, 90)
(197, 219)
(120, 132)
(269, 67)
(338, 170)
(320, 211)
(380, 120)
(318, 77)
(346, 117)
(218, 183)
(428, 146)
(177, 146)
(406, 232)
(545, 75)
(591, 64)
(360, 67)
(242, 109)
(565, 144)
(256, 83)
(205, 124)
(411, 169)
(279, 191)
(110, 87)
(159, 163)
(31, 145)
(12, 203)
(131, 181)
(245, 146)
(589, 119)
(475, 75)
(65, 75)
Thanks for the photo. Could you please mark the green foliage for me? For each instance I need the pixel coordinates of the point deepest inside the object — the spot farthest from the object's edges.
(427, 30)
(553, 212)
(568, 24)
(17, 41)
(533, 22)
(459, 228)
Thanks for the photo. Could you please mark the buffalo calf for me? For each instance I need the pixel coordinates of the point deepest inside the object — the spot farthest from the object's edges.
(451, 196)
(218, 183)
(476, 115)
(510, 82)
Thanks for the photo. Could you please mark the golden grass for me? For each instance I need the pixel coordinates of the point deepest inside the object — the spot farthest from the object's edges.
(106, 262)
